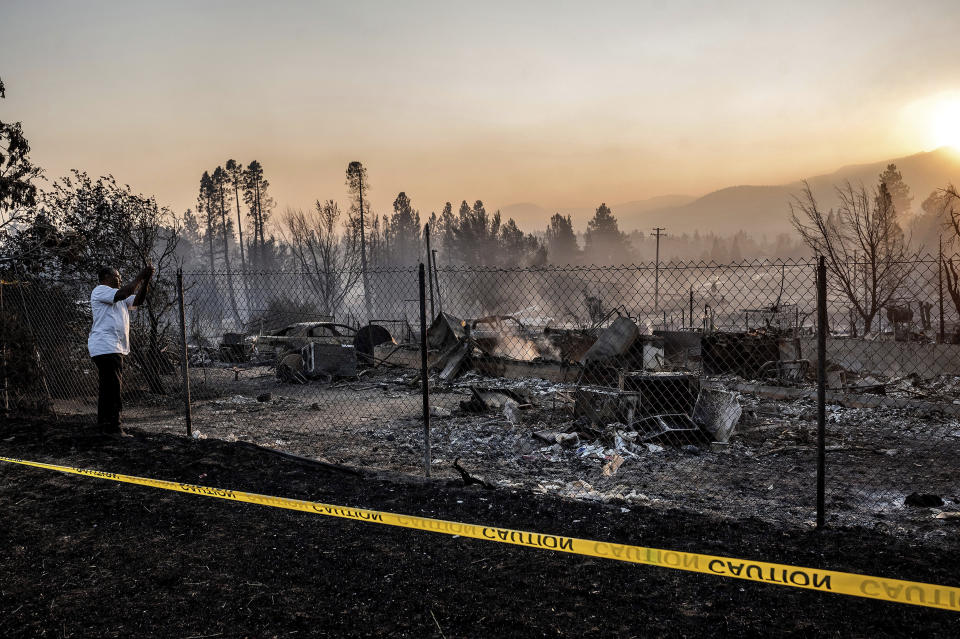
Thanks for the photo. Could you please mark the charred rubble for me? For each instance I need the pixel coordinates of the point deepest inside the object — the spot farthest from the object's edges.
(613, 380)
(610, 380)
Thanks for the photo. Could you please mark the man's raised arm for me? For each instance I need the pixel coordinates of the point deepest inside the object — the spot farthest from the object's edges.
(144, 277)
(128, 289)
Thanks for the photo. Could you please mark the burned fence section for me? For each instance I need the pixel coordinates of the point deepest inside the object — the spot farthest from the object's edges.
(695, 385)
(44, 362)
(46, 367)
(892, 376)
(681, 385)
(300, 361)
(587, 383)
(628, 384)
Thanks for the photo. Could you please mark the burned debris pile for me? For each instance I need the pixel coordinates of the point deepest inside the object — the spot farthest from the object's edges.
(572, 386)
(747, 354)
(617, 390)
(607, 393)
(503, 346)
(301, 352)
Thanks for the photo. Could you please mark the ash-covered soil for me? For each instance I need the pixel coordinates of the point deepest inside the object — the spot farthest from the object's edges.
(876, 457)
(84, 557)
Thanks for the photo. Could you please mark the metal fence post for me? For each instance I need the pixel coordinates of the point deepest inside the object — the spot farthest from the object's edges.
(184, 362)
(821, 386)
(940, 290)
(436, 278)
(426, 235)
(424, 373)
(3, 349)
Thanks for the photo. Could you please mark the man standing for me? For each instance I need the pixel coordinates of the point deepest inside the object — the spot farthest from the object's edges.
(109, 339)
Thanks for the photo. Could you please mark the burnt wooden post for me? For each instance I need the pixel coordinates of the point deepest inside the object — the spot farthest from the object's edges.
(424, 373)
(184, 361)
(821, 386)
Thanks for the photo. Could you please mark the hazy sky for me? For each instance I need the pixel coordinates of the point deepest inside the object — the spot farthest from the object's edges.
(560, 103)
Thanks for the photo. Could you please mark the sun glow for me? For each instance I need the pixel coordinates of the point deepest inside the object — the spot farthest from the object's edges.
(945, 122)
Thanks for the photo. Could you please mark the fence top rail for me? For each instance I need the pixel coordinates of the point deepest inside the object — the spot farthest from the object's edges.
(663, 265)
(645, 266)
(14, 278)
(574, 268)
(251, 272)
(811, 262)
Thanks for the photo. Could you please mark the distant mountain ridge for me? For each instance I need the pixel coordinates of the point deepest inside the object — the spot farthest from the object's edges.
(759, 210)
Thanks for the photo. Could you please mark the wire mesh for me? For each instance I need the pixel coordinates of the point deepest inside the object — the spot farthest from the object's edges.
(893, 386)
(687, 385)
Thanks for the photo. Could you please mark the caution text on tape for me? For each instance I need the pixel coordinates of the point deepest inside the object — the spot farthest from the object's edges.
(845, 583)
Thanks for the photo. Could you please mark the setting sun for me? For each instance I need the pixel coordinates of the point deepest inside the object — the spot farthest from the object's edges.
(945, 123)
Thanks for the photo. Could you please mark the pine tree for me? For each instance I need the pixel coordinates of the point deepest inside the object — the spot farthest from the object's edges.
(520, 249)
(259, 205)
(898, 189)
(561, 241)
(205, 208)
(221, 182)
(447, 223)
(405, 231)
(235, 173)
(605, 243)
(358, 186)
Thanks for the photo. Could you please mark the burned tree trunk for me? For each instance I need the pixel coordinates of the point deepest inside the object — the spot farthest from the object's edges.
(953, 282)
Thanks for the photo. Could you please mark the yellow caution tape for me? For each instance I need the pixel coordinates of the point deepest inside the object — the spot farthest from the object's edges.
(845, 583)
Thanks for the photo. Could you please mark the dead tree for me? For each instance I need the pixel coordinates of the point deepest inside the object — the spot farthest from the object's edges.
(952, 279)
(950, 212)
(155, 234)
(220, 181)
(865, 249)
(330, 259)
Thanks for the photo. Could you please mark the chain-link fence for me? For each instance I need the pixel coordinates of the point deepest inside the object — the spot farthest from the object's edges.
(892, 385)
(674, 385)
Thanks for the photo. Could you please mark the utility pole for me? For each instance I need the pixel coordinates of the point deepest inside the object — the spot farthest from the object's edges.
(656, 294)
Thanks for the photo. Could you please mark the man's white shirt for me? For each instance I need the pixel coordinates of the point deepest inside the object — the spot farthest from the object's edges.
(111, 322)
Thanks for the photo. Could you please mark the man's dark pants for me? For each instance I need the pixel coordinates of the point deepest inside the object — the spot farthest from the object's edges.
(109, 404)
